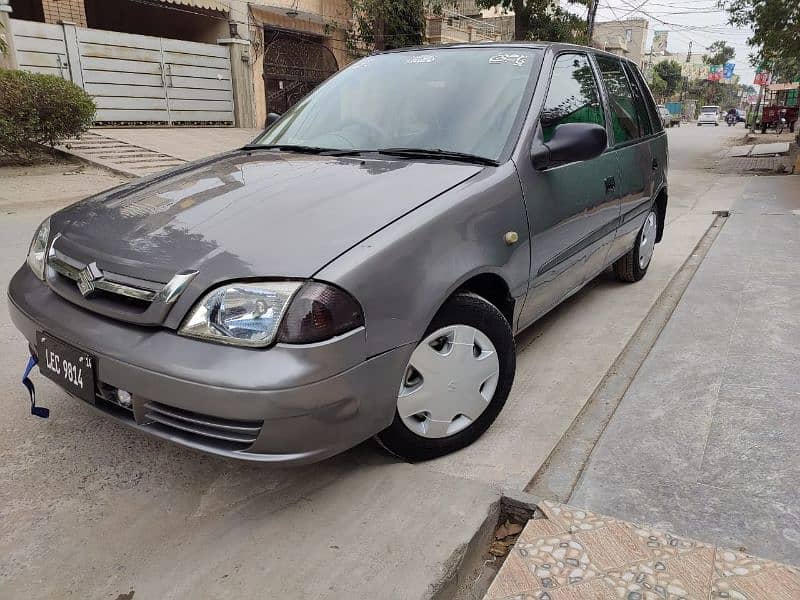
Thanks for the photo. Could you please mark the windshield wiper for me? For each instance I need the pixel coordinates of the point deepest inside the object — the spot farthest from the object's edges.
(302, 149)
(438, 153)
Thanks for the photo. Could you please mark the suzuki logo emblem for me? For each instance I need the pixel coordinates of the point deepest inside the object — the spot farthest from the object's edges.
(86, 278)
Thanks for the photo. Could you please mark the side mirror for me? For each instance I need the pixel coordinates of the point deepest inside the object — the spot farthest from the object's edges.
(571, 142)
(271, 118)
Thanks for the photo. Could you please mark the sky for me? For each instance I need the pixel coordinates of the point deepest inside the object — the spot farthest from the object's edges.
(698, 20)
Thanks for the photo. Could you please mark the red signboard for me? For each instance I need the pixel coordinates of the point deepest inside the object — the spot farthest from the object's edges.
(715, 73)
(761, 78)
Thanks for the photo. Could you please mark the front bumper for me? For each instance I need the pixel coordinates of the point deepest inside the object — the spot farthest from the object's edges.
(300, 403)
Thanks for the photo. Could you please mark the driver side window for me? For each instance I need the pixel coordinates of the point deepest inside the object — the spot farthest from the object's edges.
(573, 96)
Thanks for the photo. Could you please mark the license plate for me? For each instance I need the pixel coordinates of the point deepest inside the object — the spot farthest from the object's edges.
(69, 367)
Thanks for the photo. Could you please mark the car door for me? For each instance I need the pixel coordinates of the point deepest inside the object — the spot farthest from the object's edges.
(632, 131)
(573, 209)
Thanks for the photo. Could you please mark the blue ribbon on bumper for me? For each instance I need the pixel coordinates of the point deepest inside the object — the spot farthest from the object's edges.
(38, 411)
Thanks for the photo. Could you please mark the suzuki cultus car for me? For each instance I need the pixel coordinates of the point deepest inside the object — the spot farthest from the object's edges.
(362, 267)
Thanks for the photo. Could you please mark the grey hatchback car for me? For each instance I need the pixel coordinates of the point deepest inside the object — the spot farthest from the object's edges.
(362, 267)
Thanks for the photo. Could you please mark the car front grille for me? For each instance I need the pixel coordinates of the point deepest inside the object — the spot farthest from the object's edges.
(110, 283)
(218, 431)
(103, 290)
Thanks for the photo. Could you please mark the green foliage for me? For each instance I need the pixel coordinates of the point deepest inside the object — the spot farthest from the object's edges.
(776, 33)
(543, 20)
(719, 53)
(39, 109)
(385, 24)
(670, 72)
(707, 92)
(658, 86)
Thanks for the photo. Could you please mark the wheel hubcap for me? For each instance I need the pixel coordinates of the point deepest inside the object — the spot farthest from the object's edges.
(450, 380)
(648, 240)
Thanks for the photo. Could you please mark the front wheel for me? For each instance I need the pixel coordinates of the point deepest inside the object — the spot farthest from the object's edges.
(456, 381)
(633, 265)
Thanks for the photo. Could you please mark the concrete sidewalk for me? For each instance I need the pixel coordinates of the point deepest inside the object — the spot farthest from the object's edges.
(143, 151)
(573, 554)
(705, 442)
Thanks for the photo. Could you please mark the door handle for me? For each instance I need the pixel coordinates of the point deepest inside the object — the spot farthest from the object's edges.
(655, 164)
(611, 184)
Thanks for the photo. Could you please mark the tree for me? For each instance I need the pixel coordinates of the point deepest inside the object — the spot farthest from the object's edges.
(385, 24)
(776, 33)
(719, 53)
(714, 93)
(543, 20)
(670, 72)
(658, 86)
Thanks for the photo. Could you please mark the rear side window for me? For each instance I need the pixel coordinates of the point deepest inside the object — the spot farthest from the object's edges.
(573, 96)
(624, 116)
(646, 97)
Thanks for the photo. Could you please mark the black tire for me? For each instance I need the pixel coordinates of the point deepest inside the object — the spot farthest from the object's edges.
(627, 267)
(464, 308)
(699, 124)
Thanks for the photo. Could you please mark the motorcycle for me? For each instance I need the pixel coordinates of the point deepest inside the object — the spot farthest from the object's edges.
(731, 119)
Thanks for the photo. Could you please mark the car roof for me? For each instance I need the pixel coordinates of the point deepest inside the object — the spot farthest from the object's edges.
(554, 46)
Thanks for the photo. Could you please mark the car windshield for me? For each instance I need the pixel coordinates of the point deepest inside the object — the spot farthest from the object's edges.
(463, 100)
(709, 109)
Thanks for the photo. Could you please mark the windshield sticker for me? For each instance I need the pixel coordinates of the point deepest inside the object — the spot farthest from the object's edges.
(518, 60)
(421, 58)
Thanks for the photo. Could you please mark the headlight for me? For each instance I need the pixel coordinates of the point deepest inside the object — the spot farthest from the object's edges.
(244, 314)
(37, 253)
(256, 314)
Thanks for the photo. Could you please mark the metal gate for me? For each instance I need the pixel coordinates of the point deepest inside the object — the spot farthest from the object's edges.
(133, 78)
(294, 64)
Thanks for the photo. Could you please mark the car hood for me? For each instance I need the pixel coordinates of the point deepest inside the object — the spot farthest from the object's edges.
(248, 214)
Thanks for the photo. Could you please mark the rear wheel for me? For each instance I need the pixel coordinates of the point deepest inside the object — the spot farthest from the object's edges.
(456, 382)
(633, 266)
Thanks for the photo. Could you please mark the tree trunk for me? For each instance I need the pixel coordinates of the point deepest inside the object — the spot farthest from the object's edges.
(380, 33)
(521, 20)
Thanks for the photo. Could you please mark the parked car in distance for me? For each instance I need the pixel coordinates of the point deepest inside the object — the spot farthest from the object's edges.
(666, 117)
(709, 115)
(362, 267)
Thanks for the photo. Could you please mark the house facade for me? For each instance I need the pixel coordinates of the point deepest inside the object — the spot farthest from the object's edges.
(238, 60)
(626, 38)
(279, 49)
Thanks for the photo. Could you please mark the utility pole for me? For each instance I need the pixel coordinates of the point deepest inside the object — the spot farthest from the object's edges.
(590, 16)
(689, 53)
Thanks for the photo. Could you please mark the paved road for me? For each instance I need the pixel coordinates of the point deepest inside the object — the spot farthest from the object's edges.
(93, 510)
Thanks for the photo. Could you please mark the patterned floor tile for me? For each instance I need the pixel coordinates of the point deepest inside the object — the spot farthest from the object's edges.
(693, 572)
(557, 561)
(773, 583)
(575, 555)
(539, 528)
(612, 546)
(516, 578)
(596, 589)
(573, 519)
